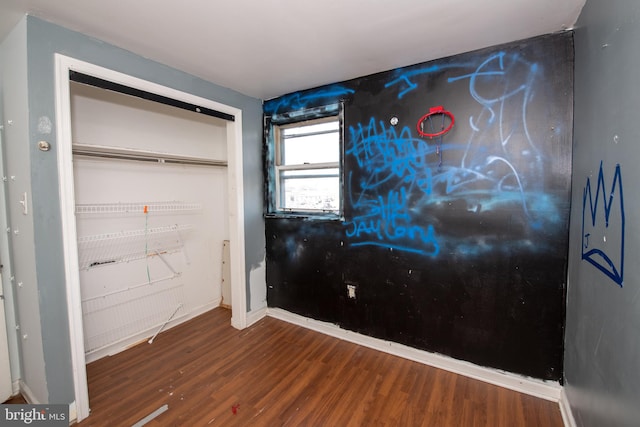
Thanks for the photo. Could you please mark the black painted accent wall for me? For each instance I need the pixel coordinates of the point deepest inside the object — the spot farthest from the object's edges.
(463, 253)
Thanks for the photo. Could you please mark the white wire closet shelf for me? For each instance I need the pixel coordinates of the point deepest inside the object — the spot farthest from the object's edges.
(124, 246)
(137, 207)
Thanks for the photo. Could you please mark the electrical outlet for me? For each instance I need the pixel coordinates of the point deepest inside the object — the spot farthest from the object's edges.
(351, 291)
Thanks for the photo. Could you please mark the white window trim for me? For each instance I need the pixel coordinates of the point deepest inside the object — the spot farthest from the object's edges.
(279, 168)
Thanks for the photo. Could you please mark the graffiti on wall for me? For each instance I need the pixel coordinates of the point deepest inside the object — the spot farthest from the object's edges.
(603, 225)
(405, 81)
(299, 101)
(493, 162)
(454, 243)
(396, 168)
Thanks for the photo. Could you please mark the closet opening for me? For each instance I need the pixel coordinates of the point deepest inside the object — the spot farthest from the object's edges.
(151, 201)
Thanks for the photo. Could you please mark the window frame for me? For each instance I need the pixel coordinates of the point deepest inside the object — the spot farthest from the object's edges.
(274, 127)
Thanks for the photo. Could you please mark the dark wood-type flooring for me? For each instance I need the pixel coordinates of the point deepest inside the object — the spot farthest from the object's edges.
(277, 374)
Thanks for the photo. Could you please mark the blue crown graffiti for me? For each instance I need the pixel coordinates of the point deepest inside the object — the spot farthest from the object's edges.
(607, 255)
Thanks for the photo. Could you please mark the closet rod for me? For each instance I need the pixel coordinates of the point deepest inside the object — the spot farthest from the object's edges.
(144, 156)
(127, 90)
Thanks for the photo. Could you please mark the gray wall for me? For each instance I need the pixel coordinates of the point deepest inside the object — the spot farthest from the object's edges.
(602, 353)
(5, 259)
(43, 40)
(24, 287)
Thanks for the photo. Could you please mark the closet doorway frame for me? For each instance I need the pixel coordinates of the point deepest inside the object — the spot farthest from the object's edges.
(63, 65)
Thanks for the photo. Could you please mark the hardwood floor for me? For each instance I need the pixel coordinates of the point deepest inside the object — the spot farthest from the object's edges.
(277, 374)
(16, 400)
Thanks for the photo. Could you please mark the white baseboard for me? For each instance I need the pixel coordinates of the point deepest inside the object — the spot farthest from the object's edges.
(73, 413)
(543, 389)
(565, 410)
(28, 394)
(255, 315)
(15, 387)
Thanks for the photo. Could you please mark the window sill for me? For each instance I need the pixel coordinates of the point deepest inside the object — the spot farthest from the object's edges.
(321, 216)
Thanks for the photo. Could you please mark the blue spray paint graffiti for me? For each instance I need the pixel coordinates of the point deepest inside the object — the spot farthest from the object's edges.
(404, 78)
(514, 162)
(399, 160)
(388, 155)
(389, 222)
(606, 257)
(499, 164)
(302, 100)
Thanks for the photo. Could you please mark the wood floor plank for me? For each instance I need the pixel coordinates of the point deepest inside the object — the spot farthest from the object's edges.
(277, 374)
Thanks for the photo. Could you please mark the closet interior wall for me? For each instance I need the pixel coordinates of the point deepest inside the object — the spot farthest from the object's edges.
(150, 232)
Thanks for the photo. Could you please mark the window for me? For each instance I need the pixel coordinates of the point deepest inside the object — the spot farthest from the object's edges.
(307, 158)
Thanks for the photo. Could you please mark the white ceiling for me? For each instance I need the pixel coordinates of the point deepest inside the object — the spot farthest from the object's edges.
(267, 48)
